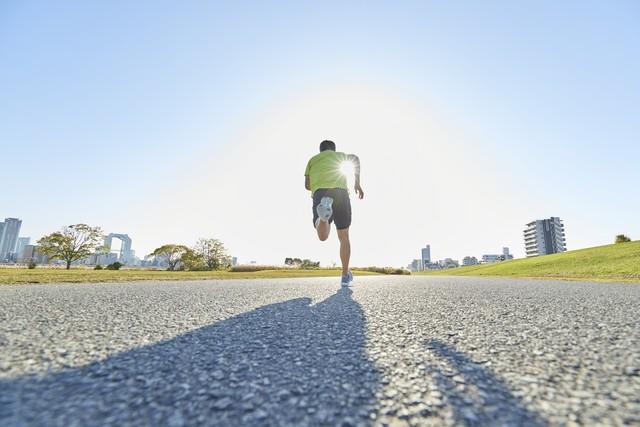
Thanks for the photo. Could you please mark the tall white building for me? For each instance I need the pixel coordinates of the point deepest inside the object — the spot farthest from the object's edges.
(544, 236)
(9, 232)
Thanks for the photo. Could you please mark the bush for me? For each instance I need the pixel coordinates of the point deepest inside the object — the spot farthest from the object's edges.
(114, 266)
(31, 264)
(253, 268)
(98, 267)
(386, 270)
(621, 238)
(307, 264)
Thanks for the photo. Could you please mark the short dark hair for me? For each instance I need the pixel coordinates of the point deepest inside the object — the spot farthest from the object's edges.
(327, 145)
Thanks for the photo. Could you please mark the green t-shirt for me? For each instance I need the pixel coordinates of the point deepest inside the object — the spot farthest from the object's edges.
(323, 170)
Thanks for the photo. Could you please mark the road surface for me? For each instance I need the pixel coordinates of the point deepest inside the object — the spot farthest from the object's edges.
(388, 351)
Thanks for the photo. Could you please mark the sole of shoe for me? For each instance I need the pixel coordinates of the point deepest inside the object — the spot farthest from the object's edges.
(325, 208)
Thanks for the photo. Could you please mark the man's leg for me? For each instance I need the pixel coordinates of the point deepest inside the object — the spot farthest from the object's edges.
(345, 249)
(323, 228)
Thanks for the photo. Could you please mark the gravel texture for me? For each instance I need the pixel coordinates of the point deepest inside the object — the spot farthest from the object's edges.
(388, 351)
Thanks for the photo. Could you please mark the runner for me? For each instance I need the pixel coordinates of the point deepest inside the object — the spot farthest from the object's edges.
(325, 178)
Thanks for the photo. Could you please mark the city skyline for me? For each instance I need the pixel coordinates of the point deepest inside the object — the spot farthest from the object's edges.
(183, 121)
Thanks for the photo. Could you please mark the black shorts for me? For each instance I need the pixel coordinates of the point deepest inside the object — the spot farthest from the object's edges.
(341, 206)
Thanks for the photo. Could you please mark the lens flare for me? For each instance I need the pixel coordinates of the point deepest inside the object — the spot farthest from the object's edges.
(347, 168)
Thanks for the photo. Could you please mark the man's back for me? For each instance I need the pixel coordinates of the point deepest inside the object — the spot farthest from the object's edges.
(323, 170)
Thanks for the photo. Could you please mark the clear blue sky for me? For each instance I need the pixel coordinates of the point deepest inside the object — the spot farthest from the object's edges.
(115, 113)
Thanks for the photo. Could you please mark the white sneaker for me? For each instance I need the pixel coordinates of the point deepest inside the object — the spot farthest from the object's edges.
(325, 208)
(346, 280)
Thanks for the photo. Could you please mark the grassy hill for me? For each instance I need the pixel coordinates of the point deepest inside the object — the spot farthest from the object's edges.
(618, 262)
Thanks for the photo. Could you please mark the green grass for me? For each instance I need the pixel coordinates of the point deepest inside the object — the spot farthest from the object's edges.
(83, 275)
(618, 262)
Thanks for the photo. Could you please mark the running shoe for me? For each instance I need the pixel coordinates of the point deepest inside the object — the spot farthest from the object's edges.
(325, 208)
(347, 279)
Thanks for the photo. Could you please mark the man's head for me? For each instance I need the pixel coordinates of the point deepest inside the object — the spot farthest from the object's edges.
(327, 145)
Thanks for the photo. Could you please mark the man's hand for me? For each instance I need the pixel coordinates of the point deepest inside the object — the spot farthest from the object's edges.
(359, 191)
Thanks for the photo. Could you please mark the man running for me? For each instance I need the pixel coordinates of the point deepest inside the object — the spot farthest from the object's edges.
(325, 179)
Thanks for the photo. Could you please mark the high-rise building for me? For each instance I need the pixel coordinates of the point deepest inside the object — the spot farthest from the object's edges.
(22, 242)
(30, 252)
(9, 237)
(426, 255)
(544, 236)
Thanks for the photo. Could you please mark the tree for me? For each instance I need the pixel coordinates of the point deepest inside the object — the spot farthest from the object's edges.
(308, 264)
(172, 254)
(193, 261)
(621, 238)
(212, 252)
(72, 243)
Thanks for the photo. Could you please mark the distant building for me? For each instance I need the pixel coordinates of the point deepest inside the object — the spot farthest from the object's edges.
(426, 255)
(448, 263)
(9, 232)
(416, 265)
(490, 258)
(497, 257)
(544, 236)
(126, 255)
(22, 242)
(30, 252)
(469, 260)
(234, 261)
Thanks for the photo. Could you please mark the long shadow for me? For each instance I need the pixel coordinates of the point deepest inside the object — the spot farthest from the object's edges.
(475, 395)
(282, 364)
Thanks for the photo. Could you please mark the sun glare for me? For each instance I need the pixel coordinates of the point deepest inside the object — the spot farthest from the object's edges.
(346, 168)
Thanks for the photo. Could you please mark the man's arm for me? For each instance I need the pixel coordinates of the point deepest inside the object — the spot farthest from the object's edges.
(307, 182)
(356, 168)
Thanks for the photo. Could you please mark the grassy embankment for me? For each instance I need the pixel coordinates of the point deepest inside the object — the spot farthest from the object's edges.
(619, 262)
(81, 275)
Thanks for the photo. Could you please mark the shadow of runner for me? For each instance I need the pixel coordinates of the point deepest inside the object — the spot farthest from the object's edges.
(474, 394)
(285, 363)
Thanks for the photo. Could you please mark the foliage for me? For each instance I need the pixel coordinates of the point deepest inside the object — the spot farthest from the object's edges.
(212, 252)
(621, 238)
(72, 243)
(253, 267)
(387, 270)
(114, 266)
(172, 254)
(98, 267)
(193, 262)
(307, 264)
(31, 264)
(301, 263)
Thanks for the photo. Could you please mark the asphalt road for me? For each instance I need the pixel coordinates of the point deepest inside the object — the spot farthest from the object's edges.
(388, 351)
